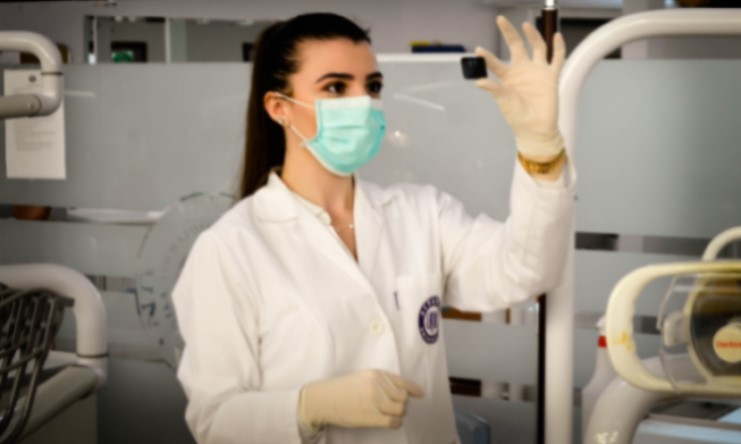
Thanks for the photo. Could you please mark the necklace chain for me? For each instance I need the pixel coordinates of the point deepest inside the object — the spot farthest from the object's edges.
(338, 229)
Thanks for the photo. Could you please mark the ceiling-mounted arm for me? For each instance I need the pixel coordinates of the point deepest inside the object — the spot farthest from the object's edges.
(48, 100)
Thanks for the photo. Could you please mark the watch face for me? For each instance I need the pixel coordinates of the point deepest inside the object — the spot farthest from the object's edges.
(161, 257)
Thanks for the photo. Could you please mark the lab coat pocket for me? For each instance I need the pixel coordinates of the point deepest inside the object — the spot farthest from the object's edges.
(419, 298)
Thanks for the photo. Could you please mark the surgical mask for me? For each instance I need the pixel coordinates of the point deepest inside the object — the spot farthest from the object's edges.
(349, 132)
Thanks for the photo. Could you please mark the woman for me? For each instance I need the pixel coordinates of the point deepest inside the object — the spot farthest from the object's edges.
(310, 311)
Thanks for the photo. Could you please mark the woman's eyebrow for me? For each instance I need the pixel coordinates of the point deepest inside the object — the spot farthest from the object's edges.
(346, 76)
(336, 75)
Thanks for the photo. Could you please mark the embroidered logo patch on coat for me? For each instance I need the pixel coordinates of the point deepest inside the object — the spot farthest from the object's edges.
(429, 320)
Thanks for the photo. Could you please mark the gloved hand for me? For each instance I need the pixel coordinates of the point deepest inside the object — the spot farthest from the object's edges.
(370, 398)
(527, 90)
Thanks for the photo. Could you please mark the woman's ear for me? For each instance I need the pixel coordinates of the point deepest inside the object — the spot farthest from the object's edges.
(276, 107)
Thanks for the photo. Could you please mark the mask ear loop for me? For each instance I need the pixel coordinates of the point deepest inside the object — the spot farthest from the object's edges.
(297, 102)
(303, 138)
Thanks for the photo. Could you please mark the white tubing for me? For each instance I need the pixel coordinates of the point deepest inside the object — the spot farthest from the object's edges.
(51, 65)
(560, 316)
(720, 241)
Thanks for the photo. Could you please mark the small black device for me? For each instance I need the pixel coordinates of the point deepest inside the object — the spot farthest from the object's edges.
(473, 67)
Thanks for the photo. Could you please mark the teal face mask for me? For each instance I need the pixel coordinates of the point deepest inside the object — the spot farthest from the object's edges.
(349, 132)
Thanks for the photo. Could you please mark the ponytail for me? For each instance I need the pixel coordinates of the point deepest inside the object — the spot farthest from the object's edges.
(264, 146)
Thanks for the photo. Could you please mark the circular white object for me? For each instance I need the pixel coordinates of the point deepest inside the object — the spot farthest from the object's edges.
(376, 327)
(727, 343)
(161, 257)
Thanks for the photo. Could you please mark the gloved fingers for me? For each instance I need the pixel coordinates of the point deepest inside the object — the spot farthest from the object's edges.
(491, 85)
(516, 46)
(536, 43)
(392, 408)
(410, 387)
(394, 393)
(559, 52)
(492, 62)
(392, 422)
(303, 416)
(387, 414)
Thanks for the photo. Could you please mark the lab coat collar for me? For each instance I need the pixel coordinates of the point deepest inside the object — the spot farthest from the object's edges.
(275, 203)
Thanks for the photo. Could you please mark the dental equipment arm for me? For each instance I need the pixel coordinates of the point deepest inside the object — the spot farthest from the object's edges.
(46, 102)
(619, 328)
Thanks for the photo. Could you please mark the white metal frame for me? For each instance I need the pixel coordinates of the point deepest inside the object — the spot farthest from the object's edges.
(560, 316)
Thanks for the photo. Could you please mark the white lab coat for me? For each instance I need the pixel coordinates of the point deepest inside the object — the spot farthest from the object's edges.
(269, 300)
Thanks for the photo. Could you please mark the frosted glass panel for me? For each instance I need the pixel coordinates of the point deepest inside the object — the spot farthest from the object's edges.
(92, 249)
(597, 272)
(660, 148)
(444, 131)
(491, 352)
(142, 137)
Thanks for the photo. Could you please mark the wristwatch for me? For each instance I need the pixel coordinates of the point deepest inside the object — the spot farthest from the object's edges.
(534, 167)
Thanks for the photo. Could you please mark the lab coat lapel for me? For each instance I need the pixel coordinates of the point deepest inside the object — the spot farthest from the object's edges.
(369, 227)
(323, 240)
(277, 204)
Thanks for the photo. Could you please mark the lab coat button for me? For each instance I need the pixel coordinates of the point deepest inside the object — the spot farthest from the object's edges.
(376, 327)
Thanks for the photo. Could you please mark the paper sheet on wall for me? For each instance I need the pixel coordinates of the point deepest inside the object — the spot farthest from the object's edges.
(34, 147)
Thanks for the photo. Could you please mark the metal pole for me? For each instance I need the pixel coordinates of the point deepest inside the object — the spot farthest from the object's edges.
(548, 28)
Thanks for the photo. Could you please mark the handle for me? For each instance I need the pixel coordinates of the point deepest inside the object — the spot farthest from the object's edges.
(46, 102)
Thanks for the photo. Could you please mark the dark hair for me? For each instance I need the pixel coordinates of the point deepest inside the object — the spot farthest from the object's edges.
(276, 59)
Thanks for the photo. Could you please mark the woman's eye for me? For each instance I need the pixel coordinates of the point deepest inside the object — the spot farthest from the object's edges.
(335, 88)
(375, 87)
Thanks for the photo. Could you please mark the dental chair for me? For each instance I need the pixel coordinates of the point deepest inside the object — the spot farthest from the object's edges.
(58, 387)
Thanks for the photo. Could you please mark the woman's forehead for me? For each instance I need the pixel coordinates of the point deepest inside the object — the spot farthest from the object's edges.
(318, 57)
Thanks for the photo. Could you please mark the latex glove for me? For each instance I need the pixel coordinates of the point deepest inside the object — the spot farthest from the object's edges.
(371, 398)
(527, 89)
